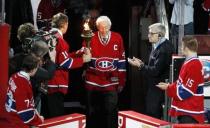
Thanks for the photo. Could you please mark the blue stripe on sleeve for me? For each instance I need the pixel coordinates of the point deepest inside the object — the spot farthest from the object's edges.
(115, 63)
(27, 115)
(92, 63)
(183, 92)
(122, 65)
(67, 63)
(200, 90)
(10, 104)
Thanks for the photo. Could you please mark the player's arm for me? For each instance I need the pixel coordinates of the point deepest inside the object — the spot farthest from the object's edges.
(187, 85)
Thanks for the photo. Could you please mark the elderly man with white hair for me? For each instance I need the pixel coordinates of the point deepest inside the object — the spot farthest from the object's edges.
(105, 76)
(157, 69)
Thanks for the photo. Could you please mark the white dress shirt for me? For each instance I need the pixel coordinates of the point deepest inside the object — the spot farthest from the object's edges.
(187, 14)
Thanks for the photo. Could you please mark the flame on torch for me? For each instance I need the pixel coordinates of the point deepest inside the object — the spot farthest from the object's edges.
(87, 33)
(86, 26)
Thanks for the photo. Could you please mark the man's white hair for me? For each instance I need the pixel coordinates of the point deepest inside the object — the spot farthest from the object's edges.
(158, 28)
(104, 19)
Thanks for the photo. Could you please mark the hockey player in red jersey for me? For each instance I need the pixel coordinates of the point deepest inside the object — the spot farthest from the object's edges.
(187, 92)
(45, 11)
(58, 85)
(20, 101)
(105, 76)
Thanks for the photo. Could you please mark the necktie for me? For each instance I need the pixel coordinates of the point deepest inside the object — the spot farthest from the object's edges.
(104, 40)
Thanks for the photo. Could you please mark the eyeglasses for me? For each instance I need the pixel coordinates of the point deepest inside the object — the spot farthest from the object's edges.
(151, 33)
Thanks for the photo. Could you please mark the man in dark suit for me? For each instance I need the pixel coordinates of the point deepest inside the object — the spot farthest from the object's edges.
(157, 68)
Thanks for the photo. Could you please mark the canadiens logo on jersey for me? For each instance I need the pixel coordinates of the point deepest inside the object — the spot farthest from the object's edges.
(104, 64)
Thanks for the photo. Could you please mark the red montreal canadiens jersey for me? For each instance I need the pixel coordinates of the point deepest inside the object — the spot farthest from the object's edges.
(60, 80)
(46, 10)
(107, 69)
(20, 102)
(187, 91)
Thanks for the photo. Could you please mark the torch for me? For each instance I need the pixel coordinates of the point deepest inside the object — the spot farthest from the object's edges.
(87, 33)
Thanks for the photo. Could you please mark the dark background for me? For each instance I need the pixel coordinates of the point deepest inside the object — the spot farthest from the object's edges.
(122, 15)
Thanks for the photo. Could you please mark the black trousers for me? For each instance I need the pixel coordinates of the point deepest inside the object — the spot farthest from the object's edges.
(186, 120)
(55, 104)
(102, 110)
(154, 101)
